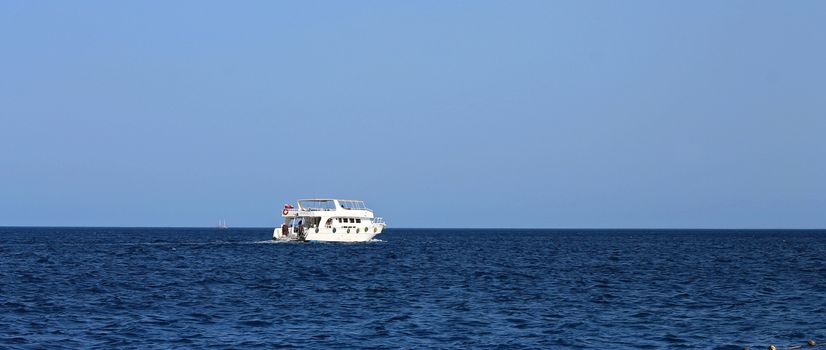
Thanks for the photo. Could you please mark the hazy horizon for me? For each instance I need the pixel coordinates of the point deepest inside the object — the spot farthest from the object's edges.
(474, 229)
(558, 114)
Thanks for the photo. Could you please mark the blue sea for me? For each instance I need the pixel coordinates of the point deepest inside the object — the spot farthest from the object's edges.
(152, 288)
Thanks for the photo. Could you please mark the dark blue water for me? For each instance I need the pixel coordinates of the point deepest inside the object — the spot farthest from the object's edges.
(509, 289)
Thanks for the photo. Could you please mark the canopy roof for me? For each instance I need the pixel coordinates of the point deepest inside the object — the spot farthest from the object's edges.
(328, 204)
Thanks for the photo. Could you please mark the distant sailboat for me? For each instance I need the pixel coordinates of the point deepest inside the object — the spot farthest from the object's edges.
(222, 224)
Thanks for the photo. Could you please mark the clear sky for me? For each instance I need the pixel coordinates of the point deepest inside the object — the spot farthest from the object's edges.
(695, 114)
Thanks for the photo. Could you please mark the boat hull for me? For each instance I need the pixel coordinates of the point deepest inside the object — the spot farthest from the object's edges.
(328, 236)
(341, 237)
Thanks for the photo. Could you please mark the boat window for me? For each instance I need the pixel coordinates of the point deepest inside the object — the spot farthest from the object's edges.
(316, 204)
(358, 220)
(357, 205)
(352, 220)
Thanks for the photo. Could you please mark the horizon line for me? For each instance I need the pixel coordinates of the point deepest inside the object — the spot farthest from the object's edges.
(442, 228)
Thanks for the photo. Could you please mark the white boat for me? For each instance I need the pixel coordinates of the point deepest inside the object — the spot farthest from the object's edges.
(222, 224)
(328, 220)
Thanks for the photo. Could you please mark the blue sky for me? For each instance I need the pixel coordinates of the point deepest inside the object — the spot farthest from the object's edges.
(440, 114)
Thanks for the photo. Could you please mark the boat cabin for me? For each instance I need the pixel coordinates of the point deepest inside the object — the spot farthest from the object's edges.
(329, 215)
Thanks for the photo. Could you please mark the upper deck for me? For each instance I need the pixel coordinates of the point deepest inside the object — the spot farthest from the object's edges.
(328, 204)
(329, 207)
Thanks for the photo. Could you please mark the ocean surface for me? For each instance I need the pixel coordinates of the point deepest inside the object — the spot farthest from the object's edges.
(148, 288)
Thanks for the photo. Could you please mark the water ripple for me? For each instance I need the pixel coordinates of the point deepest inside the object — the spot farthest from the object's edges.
(563, 289)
